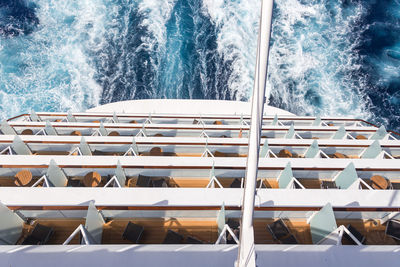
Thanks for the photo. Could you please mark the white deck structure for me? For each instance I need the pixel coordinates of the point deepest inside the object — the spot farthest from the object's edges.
(202, 152)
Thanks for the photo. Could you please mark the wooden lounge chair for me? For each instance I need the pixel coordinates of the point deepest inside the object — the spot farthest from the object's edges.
(40, 235)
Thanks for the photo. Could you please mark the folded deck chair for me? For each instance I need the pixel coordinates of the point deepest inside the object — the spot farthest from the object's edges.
(281, 232)
(393, 229)
(133, 232)
(173, 237)
(40, 235)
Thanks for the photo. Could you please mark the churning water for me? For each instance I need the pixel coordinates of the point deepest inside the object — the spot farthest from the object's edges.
(328, 57)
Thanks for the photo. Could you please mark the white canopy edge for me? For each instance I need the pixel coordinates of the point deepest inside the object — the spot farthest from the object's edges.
(196, 197)
(37, 161)
(196, 255)
(192, 140)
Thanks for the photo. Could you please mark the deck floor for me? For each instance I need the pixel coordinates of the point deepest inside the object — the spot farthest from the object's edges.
(155, 230)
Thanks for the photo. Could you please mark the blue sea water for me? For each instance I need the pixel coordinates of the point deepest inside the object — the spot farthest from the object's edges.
(328, 57)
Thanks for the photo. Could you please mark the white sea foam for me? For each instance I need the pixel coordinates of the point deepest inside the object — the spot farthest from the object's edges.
(49, 69)
(153, 17)
(313, 60)
(237, 26)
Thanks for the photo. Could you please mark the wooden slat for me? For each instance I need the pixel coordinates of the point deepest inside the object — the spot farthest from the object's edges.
(62, 229)
(156, 229)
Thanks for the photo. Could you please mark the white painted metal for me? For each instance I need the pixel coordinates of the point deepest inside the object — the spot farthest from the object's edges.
(105, 162)
(196, 197)
(196, 255)
(246, 252)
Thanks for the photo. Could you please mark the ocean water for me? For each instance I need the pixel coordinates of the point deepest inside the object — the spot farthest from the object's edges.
(328, 57)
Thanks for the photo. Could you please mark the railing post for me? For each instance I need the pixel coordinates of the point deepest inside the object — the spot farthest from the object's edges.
(246, 253)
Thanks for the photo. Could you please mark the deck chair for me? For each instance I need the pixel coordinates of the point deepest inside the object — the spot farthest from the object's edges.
(40, 235)
(281, 232)
(173, 237)
(133, 232)
(324, 230)
(355, 233)
(143, 181)
(393, 229)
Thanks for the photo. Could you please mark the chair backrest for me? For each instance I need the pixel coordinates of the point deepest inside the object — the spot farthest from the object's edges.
(322, 223)
(346, 177)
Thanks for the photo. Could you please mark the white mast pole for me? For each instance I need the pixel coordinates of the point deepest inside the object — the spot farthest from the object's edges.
(246, 254)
